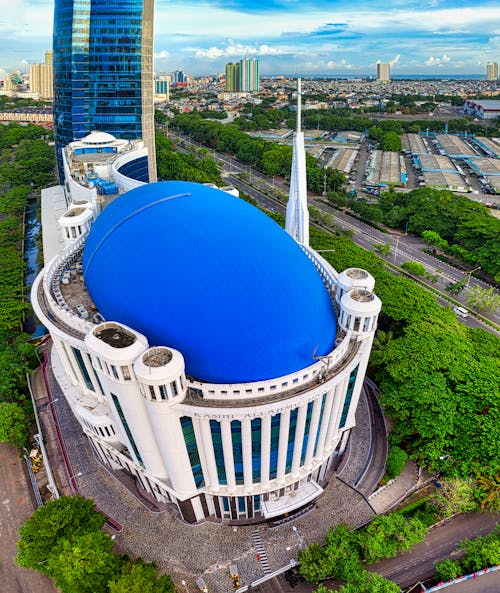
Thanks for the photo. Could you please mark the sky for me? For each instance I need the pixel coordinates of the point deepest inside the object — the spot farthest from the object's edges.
(331, 37)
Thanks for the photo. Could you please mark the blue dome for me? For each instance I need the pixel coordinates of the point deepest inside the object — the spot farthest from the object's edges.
(199, 270)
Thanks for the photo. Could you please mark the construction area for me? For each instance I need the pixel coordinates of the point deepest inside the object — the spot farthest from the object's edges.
(385, 168)
(439, 172)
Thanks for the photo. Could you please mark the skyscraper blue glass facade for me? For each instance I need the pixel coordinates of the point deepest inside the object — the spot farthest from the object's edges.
(102, 59)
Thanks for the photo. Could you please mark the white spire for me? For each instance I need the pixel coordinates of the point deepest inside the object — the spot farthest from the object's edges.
(297, 214)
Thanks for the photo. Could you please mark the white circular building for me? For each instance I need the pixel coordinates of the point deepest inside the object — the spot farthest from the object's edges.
(198, 345)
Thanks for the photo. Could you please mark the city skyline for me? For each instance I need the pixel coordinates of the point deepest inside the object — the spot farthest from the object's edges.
(311, 37)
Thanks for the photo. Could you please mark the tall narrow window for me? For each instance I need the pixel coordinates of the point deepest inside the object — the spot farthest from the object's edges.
(348, 397)
(192, 450)
(291, 438)
(256, 427)
(83, 368)
(237, 451)
(306, 432)
(275, 440)
(126, 427)
(218, 451)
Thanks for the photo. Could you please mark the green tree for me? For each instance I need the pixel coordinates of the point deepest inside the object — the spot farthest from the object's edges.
(395, 463)
(57, 520)
(414, 268)
(455, 496)
(313, 563)
(84, 563)
(482, 299)
(141, 578)
(387, 535)
(343, 551)
(391, 142)
(481, 552)
(434, 239)
(447, 570)
(383, 248)
(369, 582)
(13, 425)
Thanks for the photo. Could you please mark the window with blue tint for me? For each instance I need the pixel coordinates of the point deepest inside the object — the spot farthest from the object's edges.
(275, 442)
(192, 450)
(348, 397)
(256, 427)
(291, 438)
(83, 368)
(237, 451)
(306, 431)
(98, 54)
(225, 503)
(218, 451)
(241, 505)
(256, 504)
(319, 424)
(126, 427)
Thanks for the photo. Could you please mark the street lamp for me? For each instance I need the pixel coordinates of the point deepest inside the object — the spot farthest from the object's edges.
(396, 248)
(183, 583)
(469, 274)
(300, 538)
(72, 477)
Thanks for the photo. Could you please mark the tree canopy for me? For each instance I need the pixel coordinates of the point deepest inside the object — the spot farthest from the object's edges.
(55, 521)
(141, 578)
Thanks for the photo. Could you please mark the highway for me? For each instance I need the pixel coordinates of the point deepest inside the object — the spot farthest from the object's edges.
(403, 247)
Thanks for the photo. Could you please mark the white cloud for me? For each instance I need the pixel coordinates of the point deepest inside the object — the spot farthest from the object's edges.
(394, 60)
(432, 61)
(234, 50)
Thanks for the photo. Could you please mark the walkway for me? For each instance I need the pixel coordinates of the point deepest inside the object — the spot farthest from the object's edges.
(390, 495)
(15, 507)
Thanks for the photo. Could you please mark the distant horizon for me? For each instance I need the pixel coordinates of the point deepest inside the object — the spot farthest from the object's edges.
(315, 36)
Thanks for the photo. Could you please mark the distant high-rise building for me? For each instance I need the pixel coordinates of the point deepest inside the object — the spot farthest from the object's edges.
(232, 77)
(10, 82)
(383, 71)
(162, 87)
(492, 71)
(249, 75)
(103, 72)
(41, 78)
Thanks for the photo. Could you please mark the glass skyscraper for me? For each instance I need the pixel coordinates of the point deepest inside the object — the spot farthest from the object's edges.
(103, 71)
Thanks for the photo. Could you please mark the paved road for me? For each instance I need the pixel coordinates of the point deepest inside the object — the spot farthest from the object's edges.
(15, 507)
(440, 543)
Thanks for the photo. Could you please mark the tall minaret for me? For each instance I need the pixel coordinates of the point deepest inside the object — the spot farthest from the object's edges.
(297, 214)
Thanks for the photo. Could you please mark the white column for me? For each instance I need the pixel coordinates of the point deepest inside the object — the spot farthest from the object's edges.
(299, 439)
(227, 445)
(210, 468)
(313, 430)
(327, 412)
(246, 445)
(283, 443)
(340, 393)
(265, 451)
